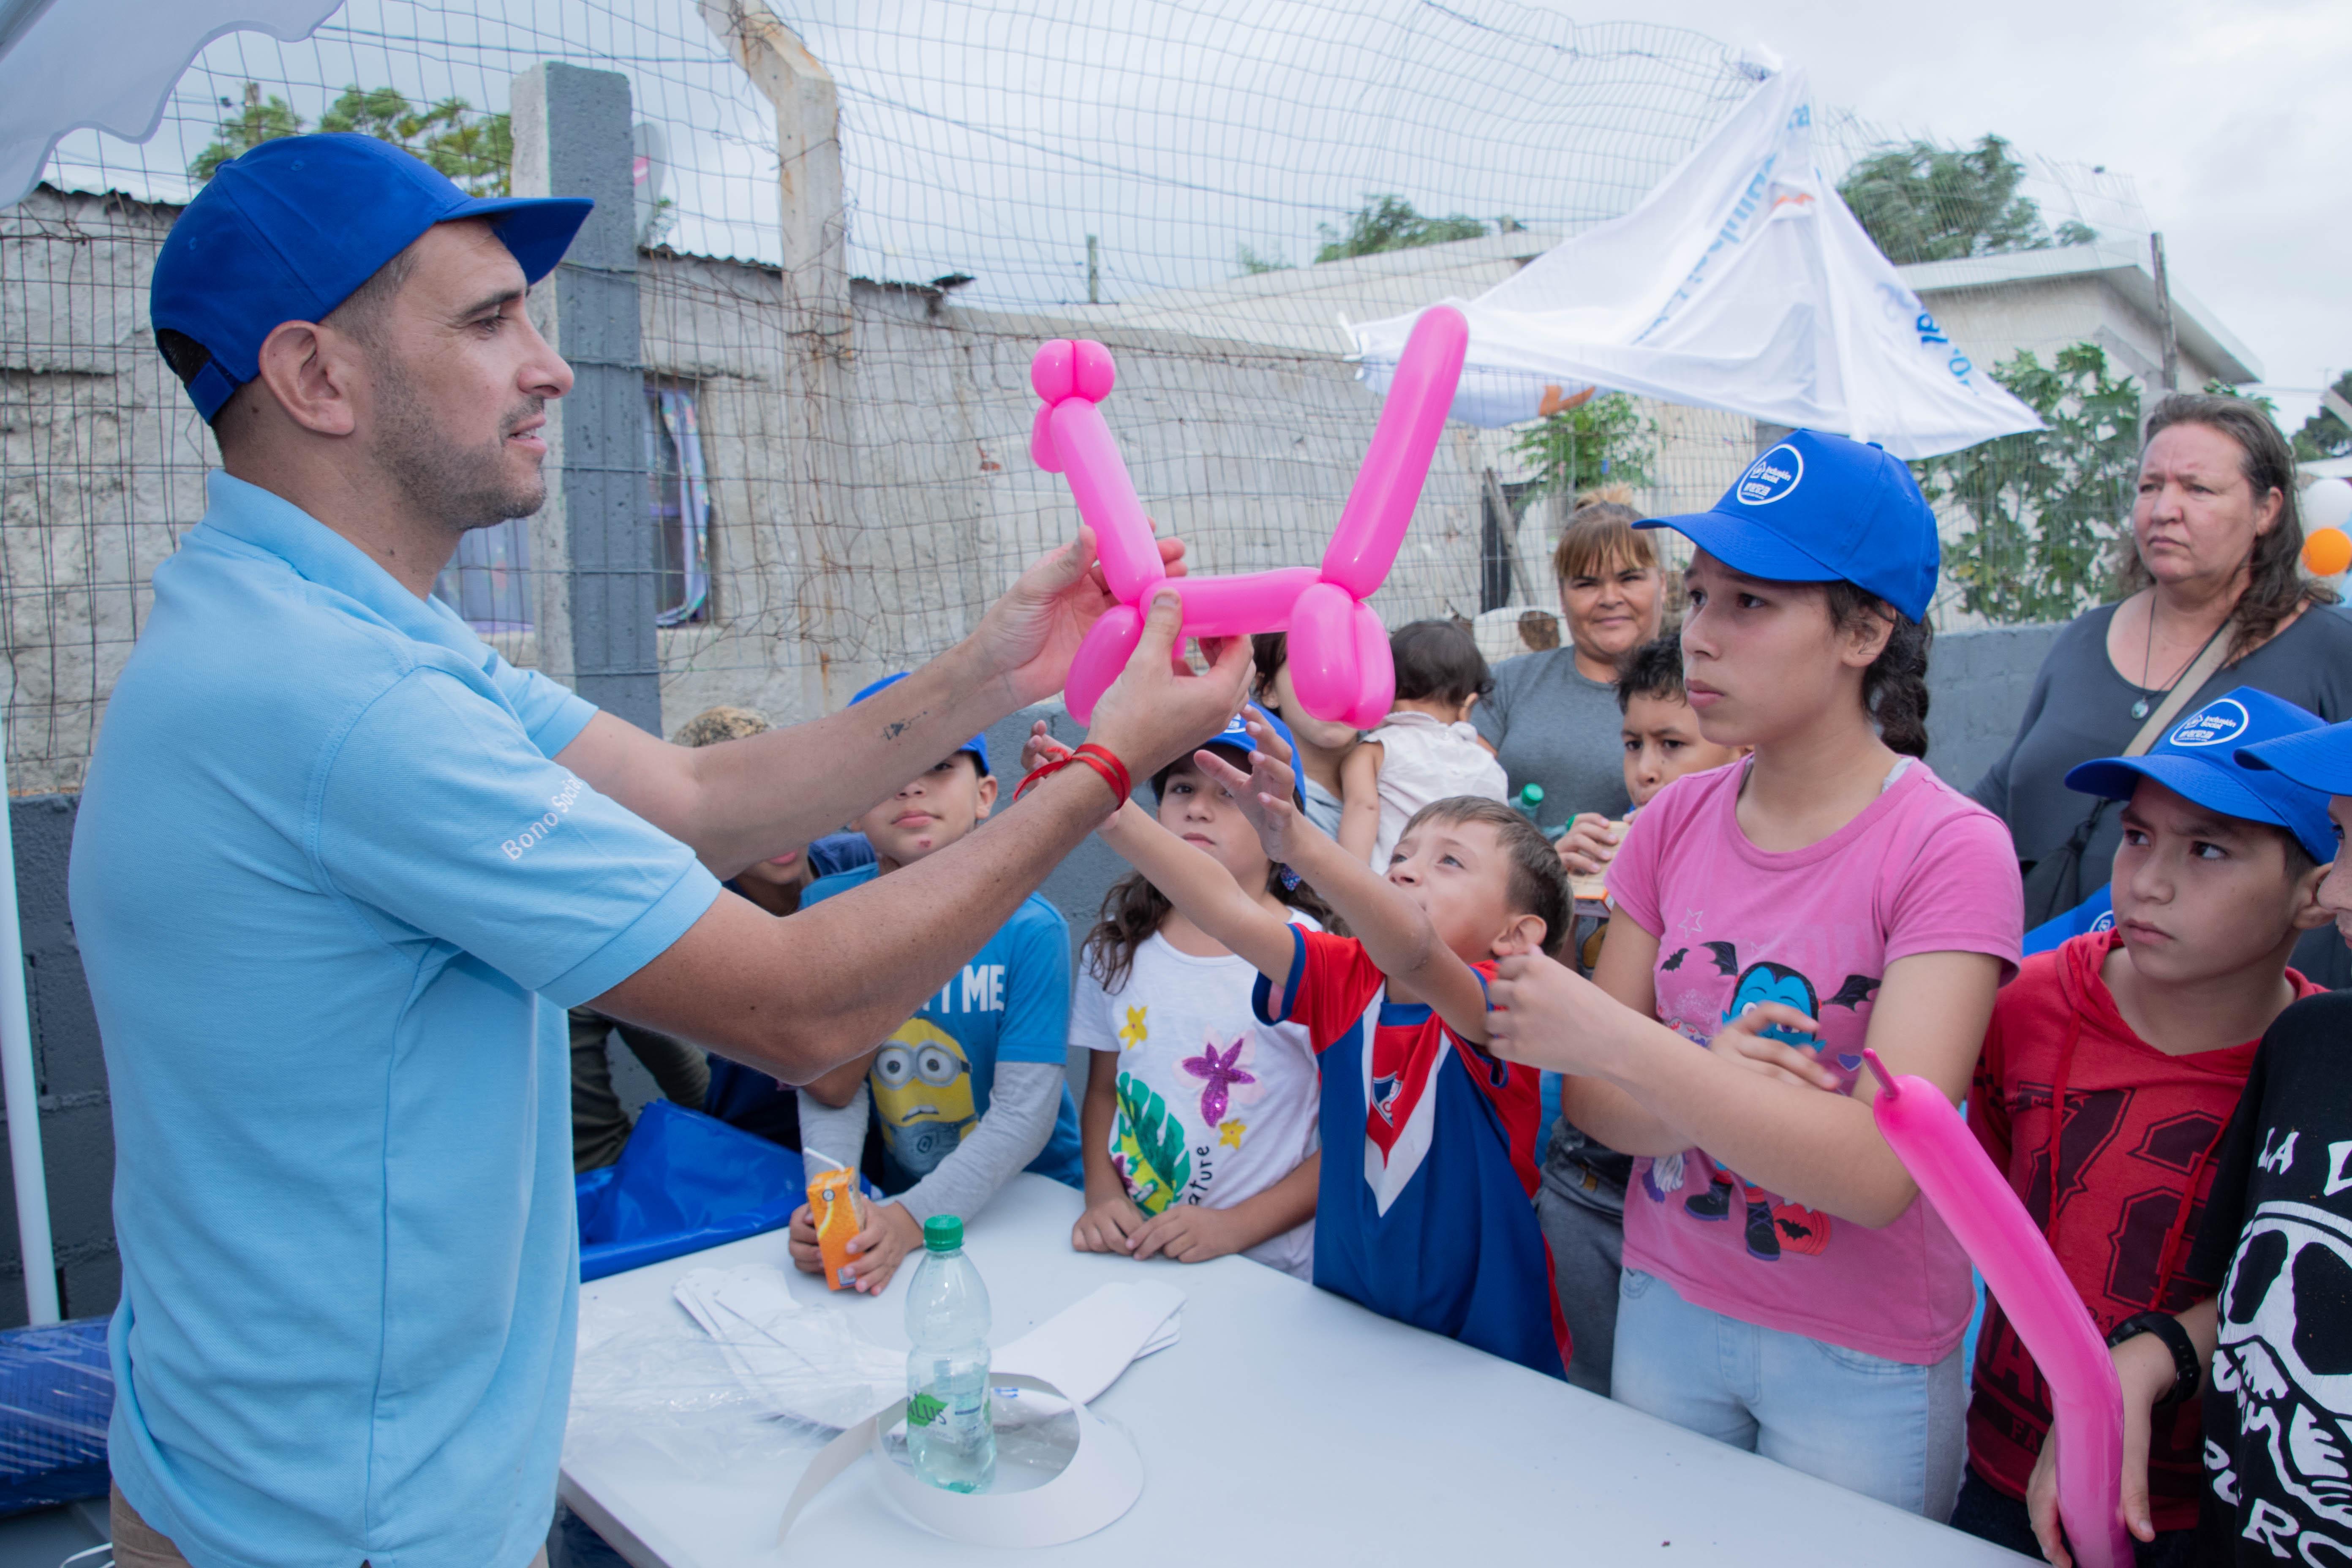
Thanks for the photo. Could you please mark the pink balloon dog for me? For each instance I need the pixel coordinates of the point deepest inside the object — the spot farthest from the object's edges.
(1338, 650)
(2086, 1400)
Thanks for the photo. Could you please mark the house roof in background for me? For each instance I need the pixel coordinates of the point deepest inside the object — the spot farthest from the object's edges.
(2124, 267)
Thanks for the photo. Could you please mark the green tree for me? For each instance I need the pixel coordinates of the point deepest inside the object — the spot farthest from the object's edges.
(1601, 441)
(473, 149)
(257, 120)
(1252, 263)
(1390, 223)
(1926, 202)
(2048, 508)
(2323, 435)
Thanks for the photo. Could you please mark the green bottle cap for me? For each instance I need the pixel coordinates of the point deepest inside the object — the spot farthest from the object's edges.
(943, 1233)
(1532, 793)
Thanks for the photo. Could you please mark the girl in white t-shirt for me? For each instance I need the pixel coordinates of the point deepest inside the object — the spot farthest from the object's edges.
(1425, 751)
(1199, 1127)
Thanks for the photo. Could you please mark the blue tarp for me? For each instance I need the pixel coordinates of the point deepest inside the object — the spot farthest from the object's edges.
(685, 1181)
(57, 1394)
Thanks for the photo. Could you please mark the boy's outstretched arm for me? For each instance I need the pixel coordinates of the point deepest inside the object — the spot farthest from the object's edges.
(1203, 891)
(1397, 936)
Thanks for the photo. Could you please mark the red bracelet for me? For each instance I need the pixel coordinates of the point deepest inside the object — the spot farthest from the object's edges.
(1112, 771)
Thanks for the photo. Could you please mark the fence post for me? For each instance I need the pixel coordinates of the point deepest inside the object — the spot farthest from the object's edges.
(838, 603)
(592, 546)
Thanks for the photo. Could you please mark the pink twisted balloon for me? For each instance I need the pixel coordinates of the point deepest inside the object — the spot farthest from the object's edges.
(2086, 1399)
(1338, 650)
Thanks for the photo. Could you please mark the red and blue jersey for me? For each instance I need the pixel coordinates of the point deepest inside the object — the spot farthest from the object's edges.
(1435, 1224)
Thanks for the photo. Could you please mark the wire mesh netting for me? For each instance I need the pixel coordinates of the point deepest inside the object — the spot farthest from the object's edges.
(1212, 188)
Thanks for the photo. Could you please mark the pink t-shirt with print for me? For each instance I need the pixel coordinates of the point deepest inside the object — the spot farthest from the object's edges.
(1921, 870)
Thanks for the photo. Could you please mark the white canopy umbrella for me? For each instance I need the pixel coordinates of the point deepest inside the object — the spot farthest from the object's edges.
(66, 64)
(1742, 282)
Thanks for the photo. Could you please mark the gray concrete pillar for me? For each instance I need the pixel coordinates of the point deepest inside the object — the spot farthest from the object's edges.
(594, 545)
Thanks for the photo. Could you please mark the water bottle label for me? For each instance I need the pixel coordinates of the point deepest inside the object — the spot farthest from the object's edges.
(924, 1409)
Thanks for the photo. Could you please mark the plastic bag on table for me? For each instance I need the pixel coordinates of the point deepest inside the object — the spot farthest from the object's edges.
(685, 1181)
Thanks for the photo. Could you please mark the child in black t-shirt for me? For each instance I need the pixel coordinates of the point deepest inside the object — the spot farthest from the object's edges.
(2273, 1352)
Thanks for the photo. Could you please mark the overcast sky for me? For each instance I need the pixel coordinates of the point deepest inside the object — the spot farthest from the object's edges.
(2235, 118)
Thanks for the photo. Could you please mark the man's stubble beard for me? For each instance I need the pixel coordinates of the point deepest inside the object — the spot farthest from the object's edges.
(463, 487)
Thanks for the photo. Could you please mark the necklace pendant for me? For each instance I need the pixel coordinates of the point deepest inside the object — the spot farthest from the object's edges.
(2139, 709)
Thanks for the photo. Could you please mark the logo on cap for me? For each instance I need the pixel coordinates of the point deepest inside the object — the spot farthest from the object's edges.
(1772, 476)
(2213, 725)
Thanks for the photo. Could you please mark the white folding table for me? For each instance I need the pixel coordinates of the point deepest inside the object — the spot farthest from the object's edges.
(1287, 1425)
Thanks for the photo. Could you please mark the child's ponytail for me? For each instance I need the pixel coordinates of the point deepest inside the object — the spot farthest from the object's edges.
(1894, 687)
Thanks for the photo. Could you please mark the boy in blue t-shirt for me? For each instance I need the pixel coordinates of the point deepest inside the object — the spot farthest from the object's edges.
(971, 1089)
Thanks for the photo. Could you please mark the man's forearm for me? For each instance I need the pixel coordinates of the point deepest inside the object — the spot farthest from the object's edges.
(797, 996)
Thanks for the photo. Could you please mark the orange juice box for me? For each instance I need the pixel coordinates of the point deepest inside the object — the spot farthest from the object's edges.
(832, 1203)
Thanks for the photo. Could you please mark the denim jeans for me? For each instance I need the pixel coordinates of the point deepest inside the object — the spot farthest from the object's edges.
(1887, 1429)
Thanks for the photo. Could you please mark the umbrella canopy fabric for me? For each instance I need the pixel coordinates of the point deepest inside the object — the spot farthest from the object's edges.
(65, 64)
(1742, 282)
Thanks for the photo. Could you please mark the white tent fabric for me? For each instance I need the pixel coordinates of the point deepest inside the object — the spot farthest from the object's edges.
(1742, 282)
(65, 64)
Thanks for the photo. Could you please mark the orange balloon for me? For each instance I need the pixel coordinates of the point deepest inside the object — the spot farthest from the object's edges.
(2327, 552)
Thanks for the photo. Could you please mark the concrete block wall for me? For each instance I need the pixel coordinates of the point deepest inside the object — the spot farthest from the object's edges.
(1980, 683)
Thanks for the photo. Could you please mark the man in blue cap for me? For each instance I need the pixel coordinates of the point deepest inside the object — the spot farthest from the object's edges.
(339, 870)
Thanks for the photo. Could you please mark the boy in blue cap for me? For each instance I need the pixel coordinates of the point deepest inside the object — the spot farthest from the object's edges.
(2267, 1347)
(971, 1089)
(2141, 1037)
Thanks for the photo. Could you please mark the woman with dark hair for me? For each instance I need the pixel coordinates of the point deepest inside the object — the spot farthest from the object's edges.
(1552, 718)
(2217, 540)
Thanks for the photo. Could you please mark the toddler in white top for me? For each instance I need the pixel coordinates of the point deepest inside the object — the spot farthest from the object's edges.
(1426, 750)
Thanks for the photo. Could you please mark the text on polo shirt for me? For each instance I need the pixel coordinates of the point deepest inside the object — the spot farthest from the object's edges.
(558, 804)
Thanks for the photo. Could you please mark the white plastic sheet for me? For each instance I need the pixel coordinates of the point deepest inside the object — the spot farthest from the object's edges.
(110, 64)
(1742, 282)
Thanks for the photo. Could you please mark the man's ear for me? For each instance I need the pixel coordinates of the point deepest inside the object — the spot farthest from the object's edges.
(2310, 914)
(311, 372)
(987, 796)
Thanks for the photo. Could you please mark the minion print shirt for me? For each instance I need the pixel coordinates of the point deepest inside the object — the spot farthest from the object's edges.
(930, 1080)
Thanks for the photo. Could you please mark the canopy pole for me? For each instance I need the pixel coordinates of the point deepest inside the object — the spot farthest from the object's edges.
(33, 1243)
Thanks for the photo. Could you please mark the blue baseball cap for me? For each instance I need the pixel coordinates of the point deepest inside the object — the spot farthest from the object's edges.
(290, 230)
(2197, 759)
(1235, 737)
(1817, 509)
(2318, 759)
(977, 745)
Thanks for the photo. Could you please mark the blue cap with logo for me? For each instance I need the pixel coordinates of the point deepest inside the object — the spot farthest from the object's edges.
(1820, 508)
(1235, 737)
(977, 745)
(2198, 760)
(290, 230)
(2318, 759)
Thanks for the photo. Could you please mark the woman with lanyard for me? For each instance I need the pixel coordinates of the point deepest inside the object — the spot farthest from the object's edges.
(2214, 598)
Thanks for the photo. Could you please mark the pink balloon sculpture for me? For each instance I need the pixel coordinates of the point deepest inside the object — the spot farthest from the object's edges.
(1976, 1201)
(1338, 650)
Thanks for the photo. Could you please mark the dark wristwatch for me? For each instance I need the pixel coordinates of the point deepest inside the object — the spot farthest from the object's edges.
(2185, 1372)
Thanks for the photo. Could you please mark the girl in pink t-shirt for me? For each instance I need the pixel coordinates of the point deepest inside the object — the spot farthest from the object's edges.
(1786, 1290)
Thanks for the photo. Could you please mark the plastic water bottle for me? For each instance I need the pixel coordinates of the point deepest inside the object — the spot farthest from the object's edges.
(1529, 801)
(951, 1432)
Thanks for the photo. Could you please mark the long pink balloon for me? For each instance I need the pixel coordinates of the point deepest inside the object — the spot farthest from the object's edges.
(1339, 652)
(2086, 1401)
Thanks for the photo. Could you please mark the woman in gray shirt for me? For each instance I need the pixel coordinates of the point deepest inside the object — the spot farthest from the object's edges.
(2217, 538)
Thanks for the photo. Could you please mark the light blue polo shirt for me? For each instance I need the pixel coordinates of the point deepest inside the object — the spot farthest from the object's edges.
(334, 895)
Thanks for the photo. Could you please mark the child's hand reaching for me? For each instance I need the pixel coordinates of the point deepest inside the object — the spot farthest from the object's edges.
(1742, 1040)
(1265, 793)
(1039, 749)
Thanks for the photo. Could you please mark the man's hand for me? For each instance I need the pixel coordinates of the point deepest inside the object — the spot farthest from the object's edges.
(1029, 637)
(1154, 713)
(1589, 843)
(1107, 1226)
(1265, 793)
(1187, 1233)
(1742, 1041)
(2143, 1366)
